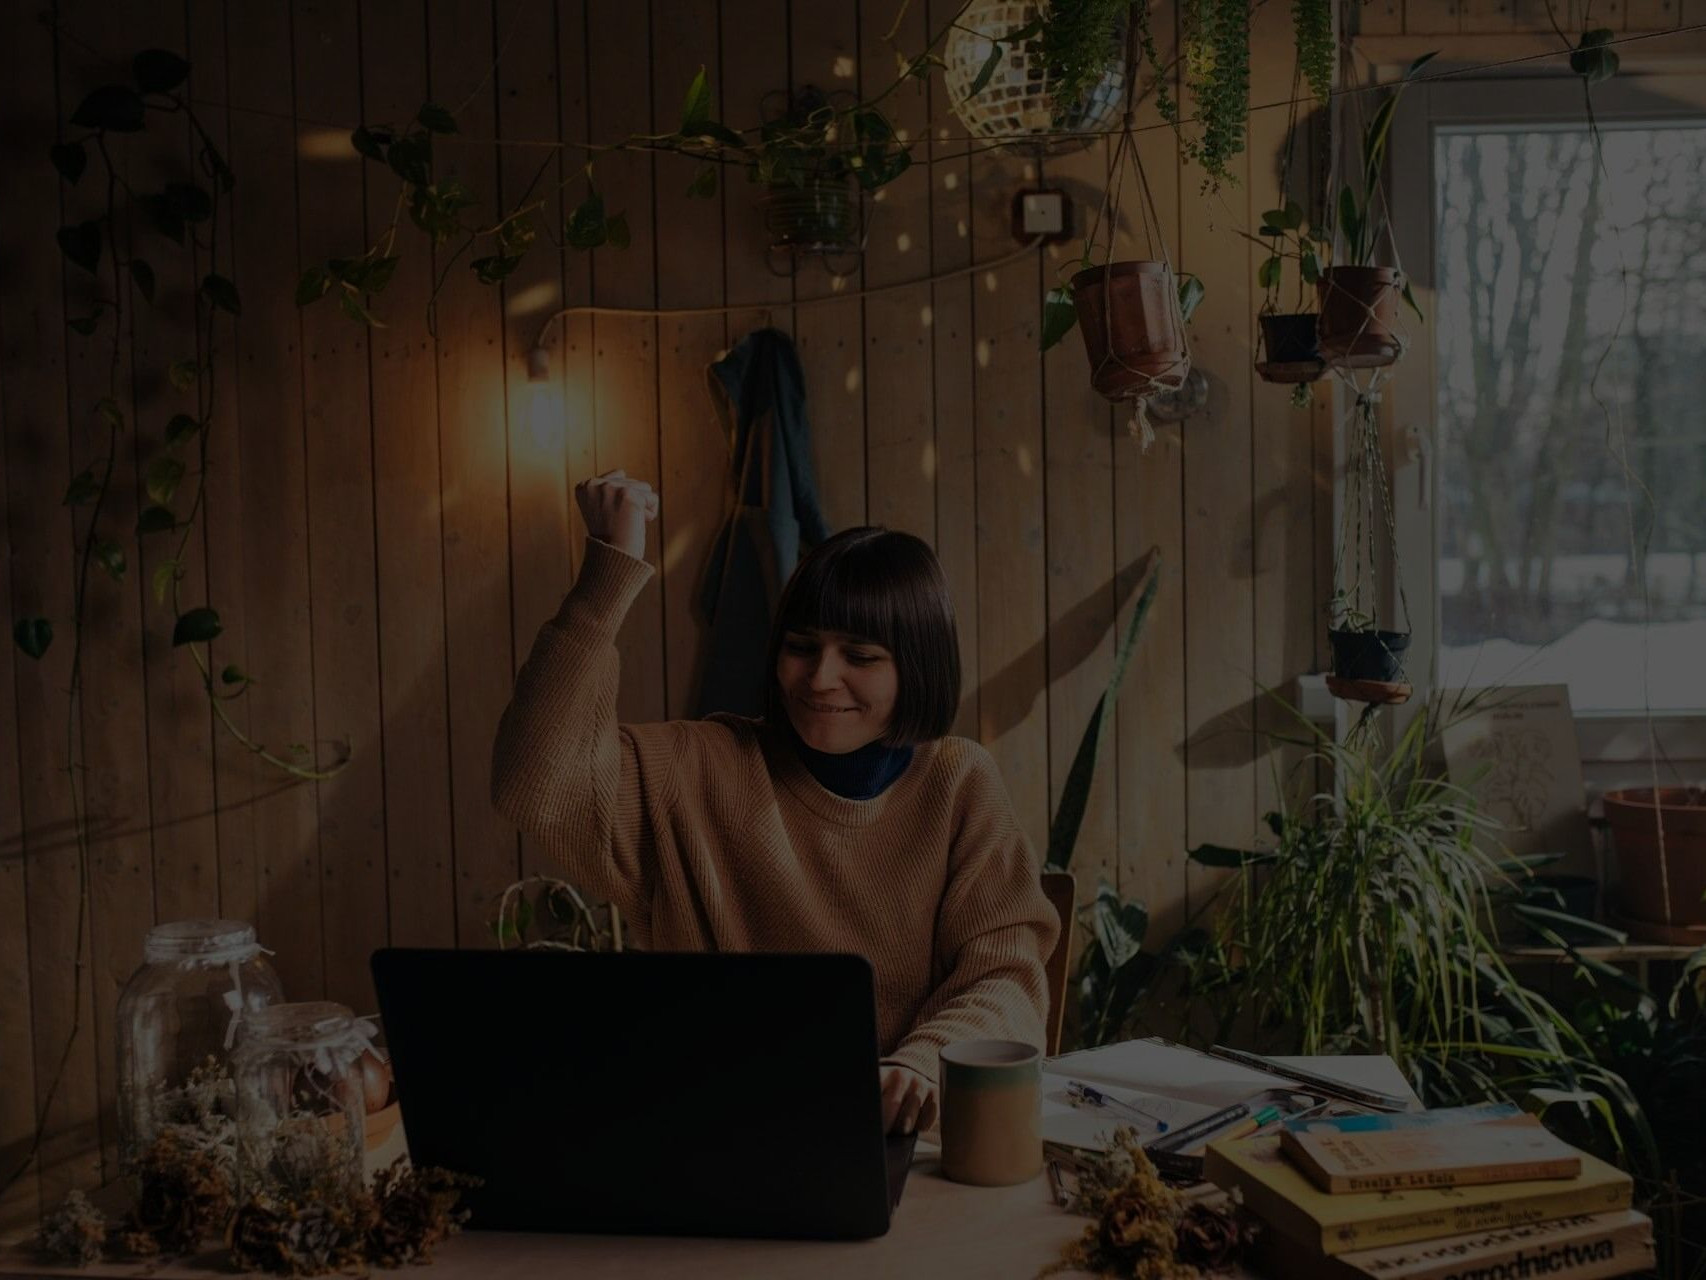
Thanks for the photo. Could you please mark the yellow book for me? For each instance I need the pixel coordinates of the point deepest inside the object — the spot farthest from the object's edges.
(1278, 1193)
(1516, 1150)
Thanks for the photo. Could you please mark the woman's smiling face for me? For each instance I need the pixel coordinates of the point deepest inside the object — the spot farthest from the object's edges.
(839, 690)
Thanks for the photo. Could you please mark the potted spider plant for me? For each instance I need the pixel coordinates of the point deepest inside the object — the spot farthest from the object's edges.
(1289, 350)
(1358, 294)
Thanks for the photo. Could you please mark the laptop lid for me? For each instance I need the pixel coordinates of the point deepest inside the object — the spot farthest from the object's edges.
(644, 1093)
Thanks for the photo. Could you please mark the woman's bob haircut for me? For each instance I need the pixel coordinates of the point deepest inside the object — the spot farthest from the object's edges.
(884, 588)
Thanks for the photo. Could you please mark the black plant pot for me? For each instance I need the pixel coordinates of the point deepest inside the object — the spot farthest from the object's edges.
(1289, 339)
(1369, 655)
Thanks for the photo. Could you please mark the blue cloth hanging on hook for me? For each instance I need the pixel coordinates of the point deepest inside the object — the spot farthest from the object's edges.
(760, 393)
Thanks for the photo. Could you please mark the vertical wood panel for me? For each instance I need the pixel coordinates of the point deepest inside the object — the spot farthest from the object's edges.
(690, 274)
(1283, 439)
(1653, 15)
(32, 327)
(273, 496)
(37, 918)
(1149, 511)
(625, 347)
(237, 774)
(755, 63)
(951, 377)
(900, 451)
(529, 107)
(181, 796)
(1219, 614)
(474, 460)
(571, 338)
(339, 446)
(1432, 17)
(408, 513)
(114, 708)
(825, 55)
(1012, 618)
(1082, 599)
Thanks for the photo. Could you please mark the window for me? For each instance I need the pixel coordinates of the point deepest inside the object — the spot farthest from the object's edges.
(1557, 392)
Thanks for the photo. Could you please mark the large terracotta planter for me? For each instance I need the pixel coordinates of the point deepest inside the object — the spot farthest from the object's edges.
(1129, 315)
(1359, 315)
(1635, 823)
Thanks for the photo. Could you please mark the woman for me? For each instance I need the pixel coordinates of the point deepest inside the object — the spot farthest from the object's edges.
(845, 820)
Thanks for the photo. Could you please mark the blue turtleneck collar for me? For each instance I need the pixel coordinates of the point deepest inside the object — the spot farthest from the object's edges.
(862, 774)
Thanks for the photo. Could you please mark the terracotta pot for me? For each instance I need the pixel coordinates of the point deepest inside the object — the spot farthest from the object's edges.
(1635, 823)
(1129, 314)
(1359, 312)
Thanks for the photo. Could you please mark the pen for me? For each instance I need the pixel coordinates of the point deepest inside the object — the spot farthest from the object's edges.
(1249, 1125)
(1078, 1091)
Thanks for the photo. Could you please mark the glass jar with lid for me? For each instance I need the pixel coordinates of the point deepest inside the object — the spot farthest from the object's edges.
(178, 1019)
(301, 1103)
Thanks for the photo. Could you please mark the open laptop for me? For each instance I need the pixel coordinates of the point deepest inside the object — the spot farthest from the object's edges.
(646, 1093)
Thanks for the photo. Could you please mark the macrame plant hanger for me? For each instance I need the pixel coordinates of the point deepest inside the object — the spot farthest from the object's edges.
(1295, 372)
(1136, 363)
(1367, 508)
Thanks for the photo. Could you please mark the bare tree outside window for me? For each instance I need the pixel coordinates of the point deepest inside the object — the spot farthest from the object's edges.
(1538, 580)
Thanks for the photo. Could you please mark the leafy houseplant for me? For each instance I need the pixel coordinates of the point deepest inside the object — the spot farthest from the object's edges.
(1288, 335)
(1359, 299)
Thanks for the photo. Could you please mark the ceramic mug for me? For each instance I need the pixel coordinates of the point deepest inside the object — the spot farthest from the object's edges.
(992, 1133)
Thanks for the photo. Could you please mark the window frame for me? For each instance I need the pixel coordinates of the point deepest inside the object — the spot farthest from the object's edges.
(1651, 88)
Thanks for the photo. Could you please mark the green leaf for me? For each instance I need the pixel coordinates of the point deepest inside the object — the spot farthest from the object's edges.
(81, 244)
(585, 228)
(158, 70)
(410, 158)
(704, 184)
(85, 325)
(163, 215)
(1059, 315)
(1119, 927)
(371, 142)
(84, 488)
(1273, 218)
(1410, 300)
(182, 427)
(437, 209)
(110, 556)
(1214, 855)
(1350, 223)
(216, 168)
(696, 106)
(351, 306)
(162, 479)
(1567, 925)
(198, 626)
(490, 270)
(155, 520)
(436, 119)
(164, 574)
(182, 374)
(142, 276)
(1029, 31)
(986, 72)
(379, 274)
(1268, 274)
(313, 285)
(233, 674)
(33, 635)
(110, 412)
(70, 159)
(719, 133)
(1591, 59)
(222, 293)
(1191, 293)
(1293, 216)
(1310, 265)
(616, 230)
(117, 107)
(1420, 62)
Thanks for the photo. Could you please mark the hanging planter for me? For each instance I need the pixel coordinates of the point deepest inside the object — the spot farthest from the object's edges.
(1289, 349)
(1286, 350)
(1359, 316)
(820, 215)
(1133, 332)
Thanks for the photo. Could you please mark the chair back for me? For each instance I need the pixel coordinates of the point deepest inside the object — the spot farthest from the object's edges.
(1061, 890)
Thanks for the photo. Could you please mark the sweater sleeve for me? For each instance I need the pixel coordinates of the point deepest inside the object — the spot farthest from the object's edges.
(563, 770)
(994, 928)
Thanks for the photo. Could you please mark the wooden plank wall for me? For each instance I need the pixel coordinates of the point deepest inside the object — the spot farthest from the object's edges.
(388, 518)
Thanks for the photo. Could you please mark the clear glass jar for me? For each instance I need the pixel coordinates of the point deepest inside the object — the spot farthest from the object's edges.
(178, 1019)
(301, 1104)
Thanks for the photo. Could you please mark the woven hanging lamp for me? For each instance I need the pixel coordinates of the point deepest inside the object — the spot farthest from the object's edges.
(1015, 105)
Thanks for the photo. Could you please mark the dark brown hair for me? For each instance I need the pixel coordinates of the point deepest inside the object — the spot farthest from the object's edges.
(887, 588)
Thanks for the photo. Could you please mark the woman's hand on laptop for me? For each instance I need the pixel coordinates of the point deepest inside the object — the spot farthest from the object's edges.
(909, 1100)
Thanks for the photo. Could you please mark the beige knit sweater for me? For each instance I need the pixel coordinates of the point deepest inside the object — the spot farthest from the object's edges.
(711, 835)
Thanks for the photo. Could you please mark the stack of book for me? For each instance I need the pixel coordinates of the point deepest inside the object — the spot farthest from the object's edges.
(1479, 1193)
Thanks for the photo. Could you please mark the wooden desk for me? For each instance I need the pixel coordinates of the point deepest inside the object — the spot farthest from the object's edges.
(941, 1230)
